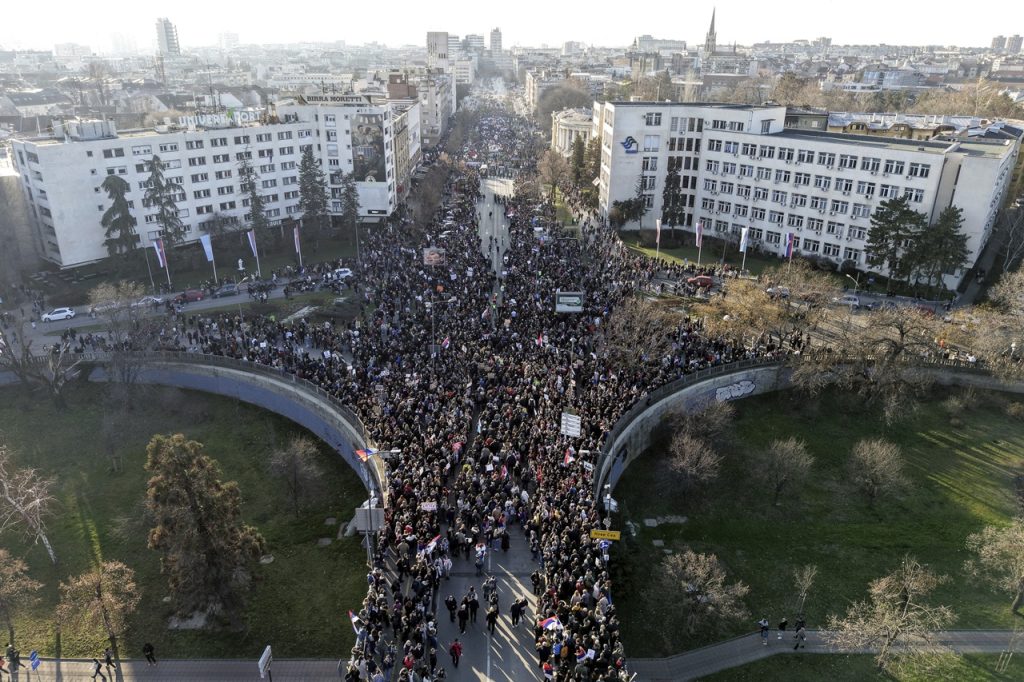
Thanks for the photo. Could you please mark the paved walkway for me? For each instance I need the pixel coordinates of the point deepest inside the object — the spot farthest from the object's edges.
(748, 648)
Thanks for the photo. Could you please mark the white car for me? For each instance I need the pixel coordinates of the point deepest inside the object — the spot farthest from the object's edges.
(59, 314)
(343, 273)
(146, 301)
(848, 300)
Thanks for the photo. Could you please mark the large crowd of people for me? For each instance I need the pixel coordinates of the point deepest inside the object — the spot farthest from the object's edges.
(462, 372)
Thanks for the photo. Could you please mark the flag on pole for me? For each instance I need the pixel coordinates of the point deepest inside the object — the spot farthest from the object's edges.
(700, 233)
(298, 247)
(504, 472)
(447, 342)
(540, 339)
(355, 622)
(251, 234)
(744, 233)
(161, 254)
(568, 459)
(366, 454)
(657, 232)
(207, 247)
(789, 244)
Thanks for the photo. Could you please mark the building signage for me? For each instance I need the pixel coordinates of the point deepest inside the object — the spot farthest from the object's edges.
(219, 120)
(596, 534)
(630, 145)
(570, 425)
(568, 301)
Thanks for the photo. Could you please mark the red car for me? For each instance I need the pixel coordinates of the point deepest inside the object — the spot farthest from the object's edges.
(189, 296)
(701, 281)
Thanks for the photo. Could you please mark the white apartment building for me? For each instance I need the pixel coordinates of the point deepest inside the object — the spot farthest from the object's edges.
(738, 167)
(61, 175)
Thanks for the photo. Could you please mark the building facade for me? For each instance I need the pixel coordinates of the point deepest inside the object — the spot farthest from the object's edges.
(739, 167)
(61, 175)
(167, 38)
(437, 50)
(495, 41)
(568, 125)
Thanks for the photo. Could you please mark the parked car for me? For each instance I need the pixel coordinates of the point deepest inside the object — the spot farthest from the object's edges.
(849, 300)
(147, 301)
(226, 290)
(59, 314)
(701, 281)
(343, 273)
(189, 296)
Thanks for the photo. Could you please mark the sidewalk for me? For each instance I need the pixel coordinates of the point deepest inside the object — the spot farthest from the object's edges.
(78, 670)
(748, 648)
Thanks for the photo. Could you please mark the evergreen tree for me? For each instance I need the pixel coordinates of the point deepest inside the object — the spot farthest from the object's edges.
(118, 220)
(312, 192)
(578, 161)
(208, 551)
(672, 201)
(248, 180)
(942, 247)
(161, 194)
(894, 228)
(349, 202)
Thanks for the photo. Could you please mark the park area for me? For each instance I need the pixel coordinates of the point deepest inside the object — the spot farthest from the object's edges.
(297, 602)
(961, 452)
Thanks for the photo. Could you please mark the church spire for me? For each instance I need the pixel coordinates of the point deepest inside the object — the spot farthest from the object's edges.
(709, 42)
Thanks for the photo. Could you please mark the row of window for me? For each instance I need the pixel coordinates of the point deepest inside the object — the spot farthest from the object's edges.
(805, 244)
(823, 183)
(827, 159)
(915, 194)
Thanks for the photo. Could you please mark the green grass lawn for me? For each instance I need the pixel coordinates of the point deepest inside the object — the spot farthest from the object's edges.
(839, 668)
(754, 264)
(960, 479)
(299, 601)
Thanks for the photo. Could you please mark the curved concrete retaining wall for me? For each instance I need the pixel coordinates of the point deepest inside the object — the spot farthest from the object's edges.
(631, 435)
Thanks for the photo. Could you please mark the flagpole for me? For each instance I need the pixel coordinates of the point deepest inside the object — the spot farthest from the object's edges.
(259, 272)
(743, 265)
(213, 262)
(150, 271)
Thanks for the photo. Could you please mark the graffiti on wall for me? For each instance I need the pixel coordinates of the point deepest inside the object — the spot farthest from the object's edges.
(733, 391)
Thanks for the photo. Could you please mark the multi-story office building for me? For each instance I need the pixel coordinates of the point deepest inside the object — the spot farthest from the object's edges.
(437, 50)
(1013, 44)
(437, 105)
(62, 174)
(167, 38)
(739, 167)
(474, 42)
(998, 43)
(495, 41)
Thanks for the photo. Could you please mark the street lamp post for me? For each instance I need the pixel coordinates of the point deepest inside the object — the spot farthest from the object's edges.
(856, 282)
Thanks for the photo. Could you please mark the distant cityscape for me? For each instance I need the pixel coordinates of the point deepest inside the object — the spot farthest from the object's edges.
(73, 114)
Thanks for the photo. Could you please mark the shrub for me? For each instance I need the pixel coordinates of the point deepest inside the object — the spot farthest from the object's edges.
(1015, 410)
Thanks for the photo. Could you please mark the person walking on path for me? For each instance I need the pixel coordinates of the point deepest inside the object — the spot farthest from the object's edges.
(456, 652)
(147, 650)
(492, 618)
(452, 605)
(108, 660)
(463, 615)
(801, 637)
(474, 605)
(515, 611)
(97, 669)
(782, 627)
(763, 623)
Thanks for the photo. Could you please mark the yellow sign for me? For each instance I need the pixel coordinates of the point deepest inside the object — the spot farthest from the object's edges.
(605, 534)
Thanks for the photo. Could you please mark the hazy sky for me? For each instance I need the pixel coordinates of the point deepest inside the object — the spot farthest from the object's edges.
(522, 22)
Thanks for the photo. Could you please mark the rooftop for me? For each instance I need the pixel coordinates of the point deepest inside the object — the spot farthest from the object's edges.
(992, 149)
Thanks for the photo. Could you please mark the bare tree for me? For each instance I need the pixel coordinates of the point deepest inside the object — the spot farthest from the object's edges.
(691, 593)
(639, 332)
(712, 421)
(25, 501)
(803, 580)
(129, 330)
(105, 596)
(783, 464)
(17, 590)
(295, 466)
(876, 468)
(55, 369)
(552, 171)
(694, 461)
(1000, 560)
(1013, 238)
(896, 619)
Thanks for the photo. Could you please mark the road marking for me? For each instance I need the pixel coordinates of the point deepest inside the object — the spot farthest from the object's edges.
(490, 639)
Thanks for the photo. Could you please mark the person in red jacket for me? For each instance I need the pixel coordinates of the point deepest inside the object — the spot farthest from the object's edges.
(456, 651)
